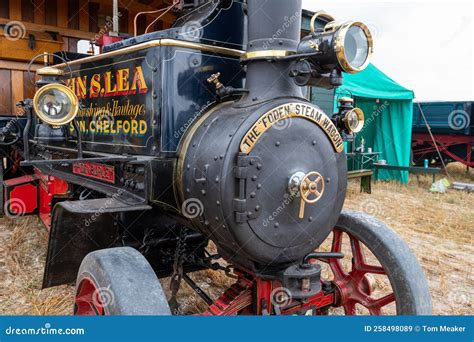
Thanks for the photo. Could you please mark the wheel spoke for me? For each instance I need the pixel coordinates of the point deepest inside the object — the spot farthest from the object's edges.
(376, 312)
(349, 308)
(337, 269)
(371, 269)
(374, 304)
(336, 240)
(357, 254)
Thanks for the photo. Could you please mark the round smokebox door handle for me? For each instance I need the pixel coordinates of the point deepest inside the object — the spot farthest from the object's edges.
(311, 190)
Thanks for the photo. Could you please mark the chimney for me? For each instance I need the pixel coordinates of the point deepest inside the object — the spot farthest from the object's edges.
(274, 30)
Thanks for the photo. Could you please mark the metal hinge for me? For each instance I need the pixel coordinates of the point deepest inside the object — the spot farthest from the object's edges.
(246, 206)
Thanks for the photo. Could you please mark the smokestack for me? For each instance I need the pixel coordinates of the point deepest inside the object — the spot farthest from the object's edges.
(274, 29)
(274, 24)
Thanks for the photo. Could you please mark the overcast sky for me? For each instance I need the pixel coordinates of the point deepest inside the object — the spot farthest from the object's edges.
(426, 46)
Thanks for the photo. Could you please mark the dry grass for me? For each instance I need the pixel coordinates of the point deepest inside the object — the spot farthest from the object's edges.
(23, 245)
(437, 227)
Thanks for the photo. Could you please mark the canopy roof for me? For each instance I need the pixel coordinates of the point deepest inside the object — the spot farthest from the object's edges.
(373, 83)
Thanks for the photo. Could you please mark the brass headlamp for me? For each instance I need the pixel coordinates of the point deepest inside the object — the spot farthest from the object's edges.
(331, 50)
(348, 119)
(54, 103)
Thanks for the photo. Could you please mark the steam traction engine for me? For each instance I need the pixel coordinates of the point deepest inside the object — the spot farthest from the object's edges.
(136, 158)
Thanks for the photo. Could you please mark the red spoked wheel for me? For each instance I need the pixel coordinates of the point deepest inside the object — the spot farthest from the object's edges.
(354, 287)
(118, 281)
(88, 301)
(378, 274)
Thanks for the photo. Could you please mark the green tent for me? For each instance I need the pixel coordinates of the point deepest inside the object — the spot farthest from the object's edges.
(388, 113)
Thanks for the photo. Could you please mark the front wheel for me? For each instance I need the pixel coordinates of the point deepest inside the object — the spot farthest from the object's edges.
(118, 281)
(379, 274)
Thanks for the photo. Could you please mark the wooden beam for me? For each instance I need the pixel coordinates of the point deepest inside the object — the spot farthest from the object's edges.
(51, 15)
(17, 87)
(94, 17)
(15, 10)
(10, 65)
(123, 21)
(84, 15)
(62, 7)
(5, 92)
(39, 11)
(4, 8)
(27, 11)
(28, 85)
(131, 16)
(73, 14)
(63, 32)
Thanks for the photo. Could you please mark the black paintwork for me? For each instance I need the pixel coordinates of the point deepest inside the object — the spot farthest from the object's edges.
(212, 171)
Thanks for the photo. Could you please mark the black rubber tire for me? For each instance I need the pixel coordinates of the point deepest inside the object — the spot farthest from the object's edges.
(408, 281)
(129, 277)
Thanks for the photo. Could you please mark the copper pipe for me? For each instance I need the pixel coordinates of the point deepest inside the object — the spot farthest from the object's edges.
(166, 10)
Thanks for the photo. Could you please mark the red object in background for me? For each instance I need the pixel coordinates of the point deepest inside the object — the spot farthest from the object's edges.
(21, 195)
(33, 194)
(423, 146)
(105, 39)
(49, 187)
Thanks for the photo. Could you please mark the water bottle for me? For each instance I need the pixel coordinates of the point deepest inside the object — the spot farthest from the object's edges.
(425, 163)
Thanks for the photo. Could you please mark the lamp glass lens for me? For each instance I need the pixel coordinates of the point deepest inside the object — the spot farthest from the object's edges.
(55, 104)
(353, 120)
(356, 46)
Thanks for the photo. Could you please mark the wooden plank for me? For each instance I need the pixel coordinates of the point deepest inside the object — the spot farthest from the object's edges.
(17, 87)
(123, 21)
(73, 14)
(4, 9)
(62, 6)
(39, 11)
(5, 92)
(27, 11)
(63, 32)
(15, 10)
(21, 50)
(130, 22)
(83, 15)
(94, 9)
(28, 86)
(51, 14)
(17, 65)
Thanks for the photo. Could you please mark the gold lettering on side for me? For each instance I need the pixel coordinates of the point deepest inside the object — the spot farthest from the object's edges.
(292, 110)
